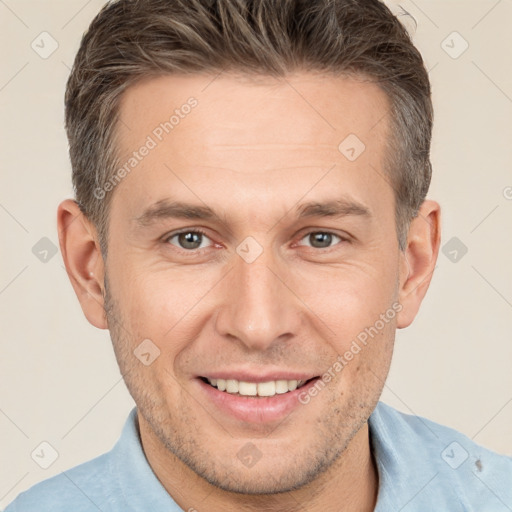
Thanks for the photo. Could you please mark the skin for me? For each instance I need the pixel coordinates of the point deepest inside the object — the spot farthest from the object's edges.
(254, 152)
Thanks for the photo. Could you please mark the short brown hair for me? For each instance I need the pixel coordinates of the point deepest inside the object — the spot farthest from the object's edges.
(133, 39)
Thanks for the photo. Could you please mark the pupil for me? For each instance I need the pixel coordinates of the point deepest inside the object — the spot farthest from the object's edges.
(320, 239)
(190, 240)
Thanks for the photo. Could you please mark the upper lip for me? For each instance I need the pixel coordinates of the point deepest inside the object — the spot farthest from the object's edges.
(260, 376)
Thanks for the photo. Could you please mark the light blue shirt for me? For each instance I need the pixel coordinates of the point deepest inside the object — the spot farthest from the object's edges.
(423, 467)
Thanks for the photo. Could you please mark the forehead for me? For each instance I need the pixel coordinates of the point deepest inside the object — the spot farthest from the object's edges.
(256, 139)
(298, 109)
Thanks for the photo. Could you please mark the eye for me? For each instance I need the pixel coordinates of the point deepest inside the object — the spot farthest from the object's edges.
(189, 240)
(321, 239)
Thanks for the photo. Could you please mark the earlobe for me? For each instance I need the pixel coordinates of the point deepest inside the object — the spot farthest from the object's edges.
(418, 260)
(82, 256)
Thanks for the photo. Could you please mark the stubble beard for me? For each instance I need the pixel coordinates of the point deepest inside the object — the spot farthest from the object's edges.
(188, 440)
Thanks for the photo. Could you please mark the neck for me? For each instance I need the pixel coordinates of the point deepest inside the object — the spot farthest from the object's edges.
(351, 483)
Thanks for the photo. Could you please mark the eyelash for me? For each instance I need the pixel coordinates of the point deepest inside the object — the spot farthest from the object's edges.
(167, 239)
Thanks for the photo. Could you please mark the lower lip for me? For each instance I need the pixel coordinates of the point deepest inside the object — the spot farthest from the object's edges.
(255, 409)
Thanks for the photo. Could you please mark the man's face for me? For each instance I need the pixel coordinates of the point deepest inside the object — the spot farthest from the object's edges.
(272, 287)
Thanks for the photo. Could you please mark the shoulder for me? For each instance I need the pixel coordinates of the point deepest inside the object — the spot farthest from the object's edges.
(449, 465)
(425, 436)
(91, 486)
(117, 481)
(87, 487)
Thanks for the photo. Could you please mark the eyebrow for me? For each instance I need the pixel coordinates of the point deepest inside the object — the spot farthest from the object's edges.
(338, 208)
(178, 210)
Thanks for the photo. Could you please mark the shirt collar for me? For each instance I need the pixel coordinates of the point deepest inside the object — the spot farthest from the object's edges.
(137, 482)
(394, 459)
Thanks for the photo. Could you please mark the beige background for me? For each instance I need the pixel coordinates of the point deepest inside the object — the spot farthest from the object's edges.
(60, 382)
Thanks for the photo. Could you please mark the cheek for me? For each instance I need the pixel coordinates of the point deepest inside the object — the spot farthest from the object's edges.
(349, 299)
(364, 361)
(163, 305)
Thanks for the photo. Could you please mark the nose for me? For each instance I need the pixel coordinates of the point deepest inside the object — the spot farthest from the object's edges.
(258, 307)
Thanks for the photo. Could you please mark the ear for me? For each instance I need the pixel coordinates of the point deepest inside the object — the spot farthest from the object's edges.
(80, 249)
(418, 260)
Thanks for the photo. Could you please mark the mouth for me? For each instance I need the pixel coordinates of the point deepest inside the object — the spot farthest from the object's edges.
(256, 389)
(250, 402)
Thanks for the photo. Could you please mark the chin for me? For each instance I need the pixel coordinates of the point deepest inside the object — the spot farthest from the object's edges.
(263, 482)
(277, 471)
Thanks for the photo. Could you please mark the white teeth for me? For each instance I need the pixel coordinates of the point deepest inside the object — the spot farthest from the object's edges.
(269, 388)
(281, 386)
(248, 388)
(232, 386)
(292, 384)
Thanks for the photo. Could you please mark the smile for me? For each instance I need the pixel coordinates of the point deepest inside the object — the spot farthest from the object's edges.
(255, 398)
(260, 389)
